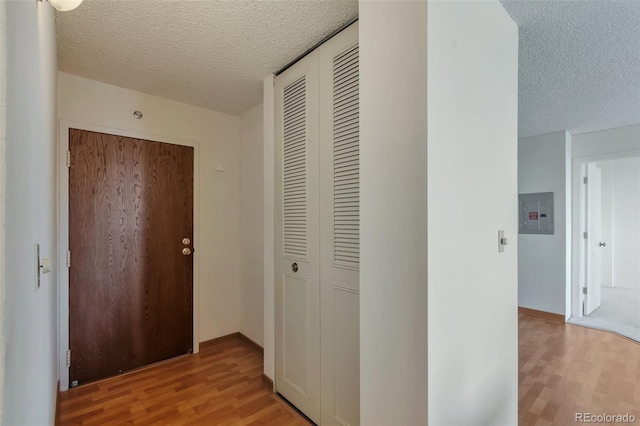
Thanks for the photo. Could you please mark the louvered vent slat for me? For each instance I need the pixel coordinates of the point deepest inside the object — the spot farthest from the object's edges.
(346, 159)
(295, 169)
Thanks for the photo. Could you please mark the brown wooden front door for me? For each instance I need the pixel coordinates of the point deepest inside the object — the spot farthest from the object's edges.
(130, 284)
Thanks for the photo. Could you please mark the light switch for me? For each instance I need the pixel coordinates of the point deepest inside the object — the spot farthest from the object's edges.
(45, 266)
(502, 241)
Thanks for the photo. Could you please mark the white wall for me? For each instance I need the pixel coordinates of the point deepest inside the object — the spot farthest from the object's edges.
(607, 223)
(90, 102)
(268, 99)
(542, 268)
(607, 143)
(3, 146)
(393, 213)
(626, 223)
(252, 226)
(472, 193)
(30, 315)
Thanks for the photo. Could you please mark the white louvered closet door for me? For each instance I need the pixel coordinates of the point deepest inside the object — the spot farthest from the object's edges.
(340, 228)
(297, 237)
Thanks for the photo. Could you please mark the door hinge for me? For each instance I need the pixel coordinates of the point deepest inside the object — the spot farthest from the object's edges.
(68, 258)
(68, 158)
(69, 358)
(584, 290)
(585, 235)
(585, 180)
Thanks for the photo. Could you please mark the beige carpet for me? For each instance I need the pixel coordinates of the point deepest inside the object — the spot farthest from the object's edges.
(619, 312)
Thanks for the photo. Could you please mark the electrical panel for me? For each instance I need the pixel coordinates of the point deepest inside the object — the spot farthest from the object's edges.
(536, 213)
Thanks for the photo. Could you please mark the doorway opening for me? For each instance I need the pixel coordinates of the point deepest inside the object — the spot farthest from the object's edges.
(607, 294)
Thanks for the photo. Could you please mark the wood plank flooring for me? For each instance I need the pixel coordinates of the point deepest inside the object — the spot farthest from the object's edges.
(221, 385)
(566, 369)
(563, 370)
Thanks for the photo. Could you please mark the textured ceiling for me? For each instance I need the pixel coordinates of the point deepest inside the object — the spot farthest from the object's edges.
(208, 53)
(579, 64)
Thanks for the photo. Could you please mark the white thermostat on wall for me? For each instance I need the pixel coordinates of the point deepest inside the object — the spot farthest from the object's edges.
(535, 213)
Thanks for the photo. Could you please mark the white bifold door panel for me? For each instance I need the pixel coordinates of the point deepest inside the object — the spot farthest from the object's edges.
(318, 232)
(297, 239)
(340, 228)
(593, 249)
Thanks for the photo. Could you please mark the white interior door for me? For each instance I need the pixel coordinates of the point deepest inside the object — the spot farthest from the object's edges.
(593, 249)
(340, 229)
(606, 230)
(297, 239)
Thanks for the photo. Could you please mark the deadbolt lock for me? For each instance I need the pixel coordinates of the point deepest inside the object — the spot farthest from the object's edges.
(186, 241)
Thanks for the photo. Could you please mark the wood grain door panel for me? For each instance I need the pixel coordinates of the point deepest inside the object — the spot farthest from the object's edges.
(130, 286)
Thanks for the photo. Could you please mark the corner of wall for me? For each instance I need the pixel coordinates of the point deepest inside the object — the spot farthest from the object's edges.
(393, 223)
(29, 200)
(268, 118)
(544, 165)
(251, 225)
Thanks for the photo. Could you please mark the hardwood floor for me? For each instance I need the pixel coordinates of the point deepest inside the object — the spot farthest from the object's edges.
(221, 385)
(566, 369)
(563, 370)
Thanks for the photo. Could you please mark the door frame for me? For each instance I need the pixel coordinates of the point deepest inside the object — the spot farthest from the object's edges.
(63, 232)
(578, 223)
(592, 282)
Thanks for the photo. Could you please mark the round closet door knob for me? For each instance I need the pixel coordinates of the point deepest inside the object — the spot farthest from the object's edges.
(294, 267)
(186, 251)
